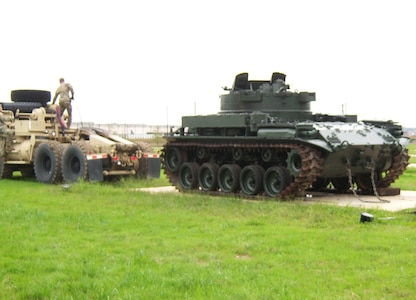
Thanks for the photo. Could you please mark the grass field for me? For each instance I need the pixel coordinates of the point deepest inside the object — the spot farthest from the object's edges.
(107, 241)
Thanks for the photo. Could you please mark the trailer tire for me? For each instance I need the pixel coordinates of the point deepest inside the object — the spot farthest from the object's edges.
(47, 162)
(74, 163)
(30, 96)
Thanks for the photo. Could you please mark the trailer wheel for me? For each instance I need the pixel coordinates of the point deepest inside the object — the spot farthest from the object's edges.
(47, 162)
(30, 96)
(74, 162)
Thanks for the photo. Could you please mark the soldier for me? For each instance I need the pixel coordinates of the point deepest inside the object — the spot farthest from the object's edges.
(64, 100)
(6, 135)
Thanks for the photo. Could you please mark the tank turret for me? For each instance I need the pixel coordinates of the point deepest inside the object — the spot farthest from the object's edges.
(265, 140)
(269, 96)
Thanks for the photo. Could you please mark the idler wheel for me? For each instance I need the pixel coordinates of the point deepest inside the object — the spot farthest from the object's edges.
(188, 176)
(251, 179)
(294, 162)
(173, 159)
(228, 178)
(208, 176)
(276, 179)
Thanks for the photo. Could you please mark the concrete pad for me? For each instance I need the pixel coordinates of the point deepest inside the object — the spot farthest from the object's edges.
(161, 189)
(406, 199)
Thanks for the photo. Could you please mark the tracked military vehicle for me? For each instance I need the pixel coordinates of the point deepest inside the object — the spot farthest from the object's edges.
(34, 140)
(265, 141)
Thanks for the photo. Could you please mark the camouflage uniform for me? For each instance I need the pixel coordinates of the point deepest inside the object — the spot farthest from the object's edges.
(6, 135)
(64, 100)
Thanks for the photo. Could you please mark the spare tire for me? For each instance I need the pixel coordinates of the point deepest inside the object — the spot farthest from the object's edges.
(31, 96)
(23, 107)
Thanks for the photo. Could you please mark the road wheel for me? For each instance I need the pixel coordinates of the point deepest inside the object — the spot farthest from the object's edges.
(276, 179)
(228, 178)
(47, 162)
(188, 176)
(74, 162)
(251, 179)
(208, 176)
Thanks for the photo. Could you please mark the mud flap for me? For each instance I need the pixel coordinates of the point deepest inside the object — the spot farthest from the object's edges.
(95, 170)
(150, 166)
(154, 167)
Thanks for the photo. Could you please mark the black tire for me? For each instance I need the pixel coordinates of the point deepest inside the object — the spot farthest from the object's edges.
(23, 107)
(74, 163)
(31, 96)
(276, 179)
(208, 176)
(251, 179)
(47, 162)
(188, 176)
(229, 178)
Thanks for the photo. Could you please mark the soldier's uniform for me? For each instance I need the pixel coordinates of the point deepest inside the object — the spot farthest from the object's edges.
(64, 99)
(6, 134)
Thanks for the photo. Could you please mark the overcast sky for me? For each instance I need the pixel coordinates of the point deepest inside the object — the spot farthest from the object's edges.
(136, 62)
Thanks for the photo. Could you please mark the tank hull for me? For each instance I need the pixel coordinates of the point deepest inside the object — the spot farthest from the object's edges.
(265, 141)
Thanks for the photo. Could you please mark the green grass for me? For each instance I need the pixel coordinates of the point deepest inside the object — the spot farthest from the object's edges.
(106, 241)
(412, 152)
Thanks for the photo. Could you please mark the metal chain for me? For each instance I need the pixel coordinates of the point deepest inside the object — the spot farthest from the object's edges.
(373, 183)
(347, 166)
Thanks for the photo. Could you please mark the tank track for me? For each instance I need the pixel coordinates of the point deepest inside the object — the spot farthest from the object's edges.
(400, 162)
(312, 165)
